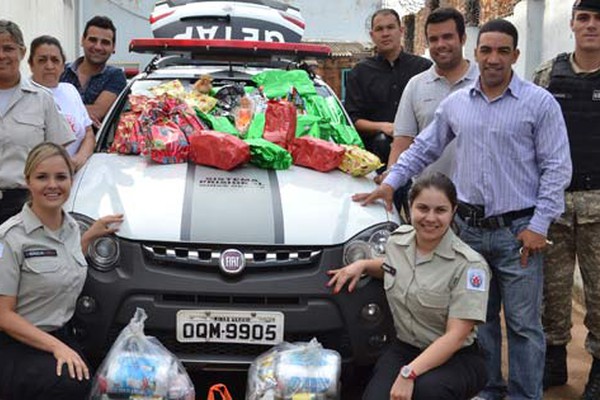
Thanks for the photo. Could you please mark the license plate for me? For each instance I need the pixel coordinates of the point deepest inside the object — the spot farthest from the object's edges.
(230, 326)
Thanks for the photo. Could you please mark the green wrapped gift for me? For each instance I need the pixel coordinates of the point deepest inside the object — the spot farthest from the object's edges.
(219, 124)
(334, 123)
(257, 127)
(308, 125)
(277, 83)
(267, 155)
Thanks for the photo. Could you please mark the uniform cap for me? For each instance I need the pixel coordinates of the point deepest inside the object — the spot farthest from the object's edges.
(590, 5)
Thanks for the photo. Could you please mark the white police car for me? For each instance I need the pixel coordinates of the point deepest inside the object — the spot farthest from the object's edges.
(226, 264)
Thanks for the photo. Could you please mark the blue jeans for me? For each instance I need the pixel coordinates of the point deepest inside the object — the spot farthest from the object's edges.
(519, 290)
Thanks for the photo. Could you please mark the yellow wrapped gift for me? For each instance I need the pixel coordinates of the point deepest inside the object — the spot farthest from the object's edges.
(359, 162)
(173, 88)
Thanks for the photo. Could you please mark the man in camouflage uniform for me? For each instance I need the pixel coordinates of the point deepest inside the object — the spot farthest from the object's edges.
(574, 80)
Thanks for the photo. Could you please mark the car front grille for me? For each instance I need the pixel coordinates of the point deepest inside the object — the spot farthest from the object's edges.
(257, 259)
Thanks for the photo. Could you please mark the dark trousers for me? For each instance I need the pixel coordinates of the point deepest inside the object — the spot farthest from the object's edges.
(460, 378)
(12, 202)
(27, 373)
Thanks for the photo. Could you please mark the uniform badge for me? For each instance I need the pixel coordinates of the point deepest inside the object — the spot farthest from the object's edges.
(1, 249)
(476, 279)
(596, 95)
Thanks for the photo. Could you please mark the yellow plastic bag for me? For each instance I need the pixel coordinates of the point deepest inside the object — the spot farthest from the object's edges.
(359, 162)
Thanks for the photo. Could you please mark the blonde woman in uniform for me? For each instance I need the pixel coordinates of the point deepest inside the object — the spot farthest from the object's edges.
(437, 289)
(42, 272)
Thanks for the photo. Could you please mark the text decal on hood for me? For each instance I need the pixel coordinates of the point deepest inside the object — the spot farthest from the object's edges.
(212, 211)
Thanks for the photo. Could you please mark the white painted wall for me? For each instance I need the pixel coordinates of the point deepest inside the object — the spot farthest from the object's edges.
(44, 17)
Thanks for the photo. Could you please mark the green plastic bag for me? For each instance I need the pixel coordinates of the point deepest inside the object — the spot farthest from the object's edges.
(267, 155)
(277, 83)
(219, 124)
(334, 123)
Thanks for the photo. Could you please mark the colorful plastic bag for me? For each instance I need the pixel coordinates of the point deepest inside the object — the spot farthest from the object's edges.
(295, 371)
(219, 150)
(173, 88)
(280, 123)
(278, 83)
(187, 121)
(168, 144)
(139, 366)
(267, 155)
(129, 138)
(359, 162)
(316, 153)
(219, 124)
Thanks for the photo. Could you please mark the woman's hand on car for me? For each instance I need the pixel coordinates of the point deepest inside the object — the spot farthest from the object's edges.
(106, 225)
(75, 365)
(350, 275)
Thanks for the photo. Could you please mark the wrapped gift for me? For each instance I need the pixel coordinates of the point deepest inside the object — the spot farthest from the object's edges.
(186, 119)
(219, 150)
(267, 155)
(168, 144)
(203, 102)
(173, 88)
(359, 162)
(243, 114)
(129, 138)
(280, 123)
(317, 153)
(141, 103)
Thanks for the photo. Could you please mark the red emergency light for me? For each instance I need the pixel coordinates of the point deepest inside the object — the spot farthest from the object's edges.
(228, 47)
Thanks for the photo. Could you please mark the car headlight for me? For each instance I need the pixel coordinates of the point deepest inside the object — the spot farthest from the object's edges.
(368, 244)
(103, 253)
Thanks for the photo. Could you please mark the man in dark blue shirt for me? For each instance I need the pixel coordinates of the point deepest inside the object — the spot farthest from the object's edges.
(98, 84)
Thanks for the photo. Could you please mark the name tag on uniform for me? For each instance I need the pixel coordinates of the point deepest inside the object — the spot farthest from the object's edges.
(476, 279)
(596, 95)
(389, 269)
(40, 253)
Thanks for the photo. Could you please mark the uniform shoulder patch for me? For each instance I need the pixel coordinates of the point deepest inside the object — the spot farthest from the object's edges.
(9, 224)
(476, 279)
(1, 249)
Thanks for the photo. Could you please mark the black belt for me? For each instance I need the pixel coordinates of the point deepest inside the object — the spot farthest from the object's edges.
(12, 194)
(474, 215)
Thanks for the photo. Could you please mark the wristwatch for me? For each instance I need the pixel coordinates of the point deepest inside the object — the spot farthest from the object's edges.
(407, 373)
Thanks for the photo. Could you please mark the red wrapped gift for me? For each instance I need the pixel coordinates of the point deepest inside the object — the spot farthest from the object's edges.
(280, 123)
(187, 121)
(315, 153)
(220, 150)
(168, 144)
(129, 138)
(141, 103)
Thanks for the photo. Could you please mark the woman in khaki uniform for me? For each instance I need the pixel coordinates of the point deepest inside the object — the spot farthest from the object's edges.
(437, 289)
(42, 272)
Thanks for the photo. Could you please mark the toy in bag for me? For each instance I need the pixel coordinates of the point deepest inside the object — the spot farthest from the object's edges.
(167, 144)
(317, 154)
(359, 162)
(219, 392)
(280, 123)
(139, 366)
(243, 114)
(129, 138)
(295, 371)
(220, 150)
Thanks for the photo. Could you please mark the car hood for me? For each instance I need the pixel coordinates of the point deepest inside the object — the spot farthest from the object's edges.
(196, 204)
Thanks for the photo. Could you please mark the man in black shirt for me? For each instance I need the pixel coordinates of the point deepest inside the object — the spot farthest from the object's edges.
(375, 85)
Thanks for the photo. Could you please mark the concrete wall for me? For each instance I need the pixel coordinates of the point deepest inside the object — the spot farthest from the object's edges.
(44, 17)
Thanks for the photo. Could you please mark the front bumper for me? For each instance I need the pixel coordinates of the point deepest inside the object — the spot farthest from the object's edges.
(296, 286)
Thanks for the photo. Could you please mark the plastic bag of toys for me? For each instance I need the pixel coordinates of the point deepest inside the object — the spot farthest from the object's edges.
(167, 144)
(139, 366)
(295, 371)
(129, 138)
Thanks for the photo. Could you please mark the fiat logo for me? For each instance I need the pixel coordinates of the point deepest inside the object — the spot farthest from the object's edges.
(232, 261)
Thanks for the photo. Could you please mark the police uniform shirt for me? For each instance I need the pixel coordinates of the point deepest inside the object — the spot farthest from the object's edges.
(450, 282)
(31, 117)
(45, 270)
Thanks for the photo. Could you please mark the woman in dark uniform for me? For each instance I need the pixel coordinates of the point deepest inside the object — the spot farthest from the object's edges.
(42, 272)
(437, 289)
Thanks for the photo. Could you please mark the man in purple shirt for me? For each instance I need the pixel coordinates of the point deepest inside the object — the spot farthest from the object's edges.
(512, 167)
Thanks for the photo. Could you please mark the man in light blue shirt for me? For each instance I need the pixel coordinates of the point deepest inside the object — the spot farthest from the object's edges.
(512, 167)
